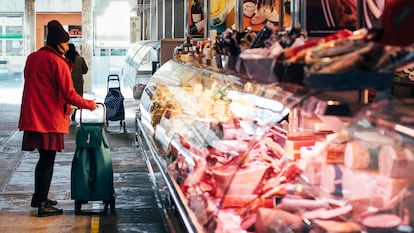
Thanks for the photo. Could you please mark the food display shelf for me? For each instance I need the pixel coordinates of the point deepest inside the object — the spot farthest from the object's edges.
(188, 113)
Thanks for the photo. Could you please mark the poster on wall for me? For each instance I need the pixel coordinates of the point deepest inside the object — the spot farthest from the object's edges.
(257, 12)
(324, 17)
(221, 16)
(255, 15)
(196, 17)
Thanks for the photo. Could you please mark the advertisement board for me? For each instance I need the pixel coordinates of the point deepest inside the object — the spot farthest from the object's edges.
(255, 15)
(324, 17)
(221, 16)
(257, 12)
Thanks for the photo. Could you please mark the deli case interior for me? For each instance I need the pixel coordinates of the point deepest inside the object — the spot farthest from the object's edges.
(241, 156)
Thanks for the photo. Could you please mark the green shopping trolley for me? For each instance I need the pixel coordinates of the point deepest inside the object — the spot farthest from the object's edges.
(92, 172)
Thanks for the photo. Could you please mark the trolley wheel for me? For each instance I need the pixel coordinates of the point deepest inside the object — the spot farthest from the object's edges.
(112, 204)
(124, 126)
(105, 211)
(78, 207)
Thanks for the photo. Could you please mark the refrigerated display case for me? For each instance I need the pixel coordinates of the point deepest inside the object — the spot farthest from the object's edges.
(139, 65)
(241, 156)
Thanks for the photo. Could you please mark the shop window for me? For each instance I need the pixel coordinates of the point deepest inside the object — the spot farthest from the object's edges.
(104, 52)
(14, 48)
(118, 52)
(14, 31)
(11, 36)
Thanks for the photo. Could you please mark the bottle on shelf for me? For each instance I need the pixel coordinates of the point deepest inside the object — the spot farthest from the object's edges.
(196, 16)
(287, 7)
(263, 35)
(196, 12)
(248, 37)
(187, 45)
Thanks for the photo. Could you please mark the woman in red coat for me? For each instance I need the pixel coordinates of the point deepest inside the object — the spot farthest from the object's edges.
(45, 110)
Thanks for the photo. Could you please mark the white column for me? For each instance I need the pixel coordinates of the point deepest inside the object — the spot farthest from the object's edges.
(29, 26)
(87, 41)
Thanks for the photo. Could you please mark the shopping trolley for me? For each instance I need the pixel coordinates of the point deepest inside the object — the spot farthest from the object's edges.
(114, 101)
(92, 172)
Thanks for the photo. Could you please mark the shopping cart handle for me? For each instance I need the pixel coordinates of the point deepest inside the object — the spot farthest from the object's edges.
(97, 107)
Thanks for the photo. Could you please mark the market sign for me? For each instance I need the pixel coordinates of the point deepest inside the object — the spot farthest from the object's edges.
(75, 30)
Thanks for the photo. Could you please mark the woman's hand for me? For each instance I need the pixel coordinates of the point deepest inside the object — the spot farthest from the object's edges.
(94, 106)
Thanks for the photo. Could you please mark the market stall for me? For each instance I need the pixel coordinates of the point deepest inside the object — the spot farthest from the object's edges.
(296, 135)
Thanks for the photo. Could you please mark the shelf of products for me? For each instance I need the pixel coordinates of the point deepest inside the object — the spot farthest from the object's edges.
(232, 163)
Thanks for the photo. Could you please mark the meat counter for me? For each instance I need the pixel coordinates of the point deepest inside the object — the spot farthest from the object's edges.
(232, 163)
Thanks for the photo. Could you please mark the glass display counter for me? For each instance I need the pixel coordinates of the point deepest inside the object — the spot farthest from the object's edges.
(139, 65)
(233, 163)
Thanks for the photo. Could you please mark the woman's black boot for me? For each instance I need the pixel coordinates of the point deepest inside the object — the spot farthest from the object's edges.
(45, 209)
(36, 204)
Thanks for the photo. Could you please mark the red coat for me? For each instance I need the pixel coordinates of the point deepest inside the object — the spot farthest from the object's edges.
(48, 93)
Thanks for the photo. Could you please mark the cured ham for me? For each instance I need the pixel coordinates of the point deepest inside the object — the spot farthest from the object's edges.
(236, 180)
(329, 214)
(357, 155)
(296, 204)
(275, 221)
(396, 162)
(337, 226)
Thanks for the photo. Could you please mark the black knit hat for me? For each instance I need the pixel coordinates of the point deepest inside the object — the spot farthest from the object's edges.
(56, 34)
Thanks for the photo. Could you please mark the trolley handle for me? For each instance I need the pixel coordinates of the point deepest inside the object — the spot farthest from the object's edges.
(97, 108)
(113, 77)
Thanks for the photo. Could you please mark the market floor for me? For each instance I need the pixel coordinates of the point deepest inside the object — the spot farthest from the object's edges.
(137, 207)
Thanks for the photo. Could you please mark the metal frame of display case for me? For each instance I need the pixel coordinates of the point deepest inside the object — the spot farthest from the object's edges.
(187, 216)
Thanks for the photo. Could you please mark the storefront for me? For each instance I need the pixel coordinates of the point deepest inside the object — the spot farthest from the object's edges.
(11, 45)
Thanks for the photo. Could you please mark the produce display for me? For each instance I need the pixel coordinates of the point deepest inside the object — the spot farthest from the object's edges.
(225, 145)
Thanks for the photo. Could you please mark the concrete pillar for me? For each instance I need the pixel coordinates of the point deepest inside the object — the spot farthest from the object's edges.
(29, 18)
(87, 41)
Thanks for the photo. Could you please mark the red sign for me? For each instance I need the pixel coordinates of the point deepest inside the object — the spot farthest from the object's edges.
(75, 30)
